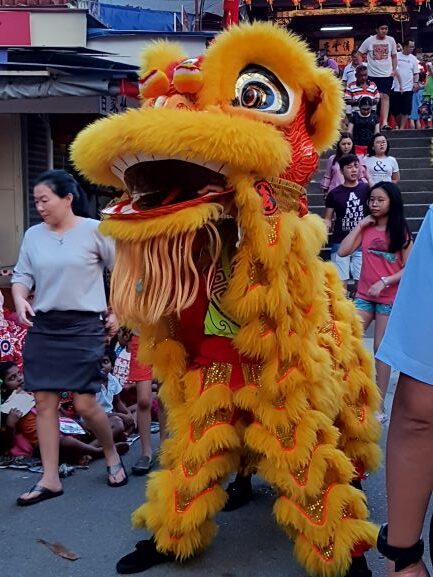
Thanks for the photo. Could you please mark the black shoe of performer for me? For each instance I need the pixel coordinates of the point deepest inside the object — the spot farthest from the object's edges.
(144, 557)
(240, 493)
(359, 568)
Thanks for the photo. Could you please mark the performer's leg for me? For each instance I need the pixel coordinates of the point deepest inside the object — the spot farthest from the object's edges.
(409, 467)
(183, 497)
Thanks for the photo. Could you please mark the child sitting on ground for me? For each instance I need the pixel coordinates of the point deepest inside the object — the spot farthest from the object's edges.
(21, 435)
(121, 421)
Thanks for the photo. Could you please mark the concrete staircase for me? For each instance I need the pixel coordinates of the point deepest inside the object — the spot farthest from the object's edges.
(411, 148)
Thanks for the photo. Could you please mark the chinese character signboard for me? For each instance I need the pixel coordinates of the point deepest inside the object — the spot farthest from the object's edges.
(112, 104)
(337, 46)
(339, 49)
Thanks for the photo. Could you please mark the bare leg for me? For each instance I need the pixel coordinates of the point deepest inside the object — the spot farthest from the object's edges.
(117, 428)
(162, 418)
(403, 121)
(73, 450)
(383, 371)
(87, 406)
(409, 465)
(384, 109)
(47, 421)
(366, 318)
(144, 401)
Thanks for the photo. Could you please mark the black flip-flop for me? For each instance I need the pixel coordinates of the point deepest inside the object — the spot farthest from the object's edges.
(43, 495)
(112, 472)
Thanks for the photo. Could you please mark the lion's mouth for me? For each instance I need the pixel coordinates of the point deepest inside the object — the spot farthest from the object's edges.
(166, 184)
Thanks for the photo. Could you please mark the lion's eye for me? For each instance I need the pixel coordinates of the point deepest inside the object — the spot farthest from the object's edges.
(259, 89)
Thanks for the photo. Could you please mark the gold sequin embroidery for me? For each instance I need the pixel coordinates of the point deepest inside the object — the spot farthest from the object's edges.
(326, 552)
(301, 475)
(286, 436)
(359, 412)
(252, 373)
(219, 417)
(274, 232)
(330, 328)
(314, 508)
(216, 374)
(183, 502)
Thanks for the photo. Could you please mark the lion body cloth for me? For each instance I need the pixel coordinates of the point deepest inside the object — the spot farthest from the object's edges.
(258, 352)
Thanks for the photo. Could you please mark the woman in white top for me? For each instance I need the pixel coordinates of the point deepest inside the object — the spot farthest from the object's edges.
(378, 164)
(62, 261)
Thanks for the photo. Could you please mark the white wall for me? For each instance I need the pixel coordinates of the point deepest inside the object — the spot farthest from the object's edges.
(11, 193)
(127, 49)
(58, 28)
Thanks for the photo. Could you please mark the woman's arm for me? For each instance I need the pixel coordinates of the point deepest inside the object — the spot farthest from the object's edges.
(23, 308)
(377, 128)
(387, 281)
(395, 177)
(354, 238)
(350, 128)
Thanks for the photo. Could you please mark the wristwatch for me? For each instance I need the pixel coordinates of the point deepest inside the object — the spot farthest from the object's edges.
(384, 280)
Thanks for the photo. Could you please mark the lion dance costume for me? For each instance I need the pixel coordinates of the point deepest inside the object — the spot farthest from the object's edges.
(259, 354)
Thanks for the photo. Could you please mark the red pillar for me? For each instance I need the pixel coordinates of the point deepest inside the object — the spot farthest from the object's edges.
(231, 12)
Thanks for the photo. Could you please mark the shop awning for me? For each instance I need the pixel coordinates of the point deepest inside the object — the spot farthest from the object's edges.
(36, 73)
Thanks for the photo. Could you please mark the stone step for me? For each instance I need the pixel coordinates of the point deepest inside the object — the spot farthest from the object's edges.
(426, 132)
(403, 162)
(411, 148)
(411, 185)
(424, 141)
(410, 151)
(417, 174)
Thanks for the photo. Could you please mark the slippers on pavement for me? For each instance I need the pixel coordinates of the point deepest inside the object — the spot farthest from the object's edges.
(43, 495)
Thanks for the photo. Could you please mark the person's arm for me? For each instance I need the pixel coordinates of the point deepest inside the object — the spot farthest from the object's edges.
(415, 70)
(395, 177)
(392, 279)
(120, 410)
(329, 214)
(23, 308)
(11, 422)
(350, 128)
(353, 240)
(360, 53)
(376, 128)
(22, 283)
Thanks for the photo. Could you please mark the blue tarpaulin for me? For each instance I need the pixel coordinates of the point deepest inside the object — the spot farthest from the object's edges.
(130, 18)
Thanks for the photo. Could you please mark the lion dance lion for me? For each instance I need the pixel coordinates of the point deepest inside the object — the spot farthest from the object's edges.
(257, 350)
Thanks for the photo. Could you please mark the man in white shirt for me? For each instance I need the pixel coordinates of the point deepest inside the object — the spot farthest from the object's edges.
(381, 51)
(349, 72)
(403, 89)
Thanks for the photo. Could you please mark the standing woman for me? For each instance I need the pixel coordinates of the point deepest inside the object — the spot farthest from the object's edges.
(379, 165)
(333, 176)
(386, 243)
(62, 261)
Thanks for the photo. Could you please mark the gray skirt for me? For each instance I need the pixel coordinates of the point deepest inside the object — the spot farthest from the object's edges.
(62, 352)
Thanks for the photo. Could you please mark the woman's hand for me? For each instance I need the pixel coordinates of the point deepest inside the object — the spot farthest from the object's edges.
(376, 289)
(111, 324)
(367, 221)
(23, 309)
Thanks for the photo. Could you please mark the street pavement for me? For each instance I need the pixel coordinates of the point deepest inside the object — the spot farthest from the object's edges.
(93, 520)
